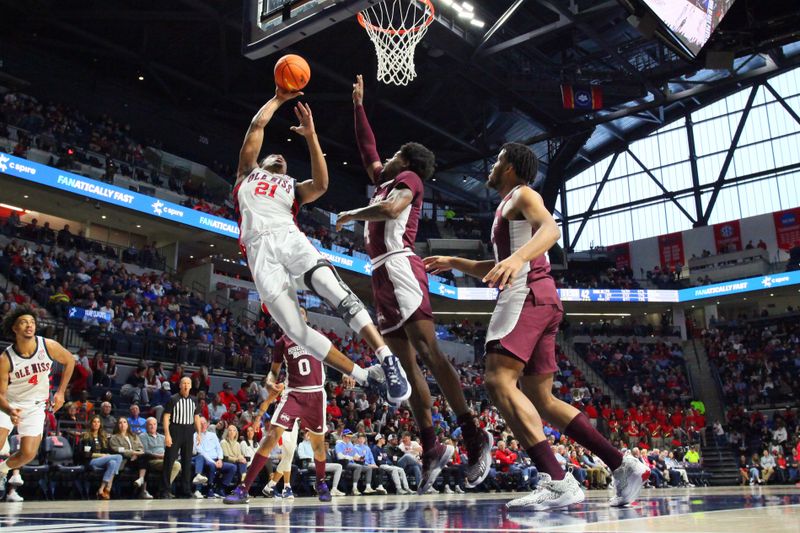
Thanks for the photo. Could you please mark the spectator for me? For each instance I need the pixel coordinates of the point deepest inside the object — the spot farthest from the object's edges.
(94, 450)
(134, 388)
(232, 451)
(137, 423)
(347, 453)
(127, 444)
(365, 452)
(209, 458)
(107, 420)
(154, 449)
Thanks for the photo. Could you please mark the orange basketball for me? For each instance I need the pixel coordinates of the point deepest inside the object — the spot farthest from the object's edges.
(292, 73)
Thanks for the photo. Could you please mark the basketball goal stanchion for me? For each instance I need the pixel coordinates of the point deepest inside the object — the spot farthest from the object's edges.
(396, 27)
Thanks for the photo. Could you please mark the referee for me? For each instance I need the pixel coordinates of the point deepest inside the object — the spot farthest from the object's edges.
(181, 420)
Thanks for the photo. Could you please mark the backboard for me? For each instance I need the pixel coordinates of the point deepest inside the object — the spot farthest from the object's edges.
(272, 25)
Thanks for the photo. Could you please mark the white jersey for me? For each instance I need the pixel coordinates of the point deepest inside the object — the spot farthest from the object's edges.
(264, 201)
(29, 377)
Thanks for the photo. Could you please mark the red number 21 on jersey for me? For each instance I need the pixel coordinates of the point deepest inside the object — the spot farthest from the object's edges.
(261, 189)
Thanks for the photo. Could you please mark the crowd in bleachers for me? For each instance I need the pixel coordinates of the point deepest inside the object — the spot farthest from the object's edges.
(757, 362)
(611, 278)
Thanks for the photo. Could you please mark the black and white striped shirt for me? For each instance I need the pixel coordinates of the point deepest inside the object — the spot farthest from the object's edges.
(182, 410)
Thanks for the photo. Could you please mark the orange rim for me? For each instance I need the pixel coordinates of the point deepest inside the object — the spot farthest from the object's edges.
(425, 24)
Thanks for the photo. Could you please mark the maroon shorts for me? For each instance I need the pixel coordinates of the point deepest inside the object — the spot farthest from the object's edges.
(533, 338)
(400, 288)
(308, 407)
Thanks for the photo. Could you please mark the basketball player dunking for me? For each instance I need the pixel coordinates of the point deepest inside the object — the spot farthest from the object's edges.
(25, 384)
(520, 343)
(400, 287)
(304, 400)
(279, 254)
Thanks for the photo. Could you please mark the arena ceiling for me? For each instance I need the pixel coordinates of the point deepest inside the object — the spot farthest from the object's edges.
(476, 89)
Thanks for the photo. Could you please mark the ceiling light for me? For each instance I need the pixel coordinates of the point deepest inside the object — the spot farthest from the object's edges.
(141, 78)
(25, 196)
(288, 139)
(467, 6)
(465, 14)
(344, 163)
(191, 257)
(138, 225)
(211, 245)
(13, 208)
(477, 23)
(103, 217)
(446, 2)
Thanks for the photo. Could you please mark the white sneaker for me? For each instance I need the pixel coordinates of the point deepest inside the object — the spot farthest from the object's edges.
(550, 494)
(337, 492)
(146, 495)
(199, 479)
(197, 495)
(139, 482)
(14, 497)
(369, 490)
(15, 480)
(459, 490)
(448, 490)
(356, 492)
(432, 490)
(381, 490)
(629, 478)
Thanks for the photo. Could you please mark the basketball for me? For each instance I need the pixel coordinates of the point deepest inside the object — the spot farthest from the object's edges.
(292, 73)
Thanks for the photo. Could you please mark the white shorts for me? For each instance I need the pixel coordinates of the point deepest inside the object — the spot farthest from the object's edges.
(31, 423)
(278, 258)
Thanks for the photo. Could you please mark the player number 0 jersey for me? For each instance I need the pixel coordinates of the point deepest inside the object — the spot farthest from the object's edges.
(29, 377)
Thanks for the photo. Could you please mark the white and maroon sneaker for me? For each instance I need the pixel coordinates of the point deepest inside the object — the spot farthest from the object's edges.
(629, 478)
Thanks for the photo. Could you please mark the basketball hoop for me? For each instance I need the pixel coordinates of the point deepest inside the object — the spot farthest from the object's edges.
(396, 27)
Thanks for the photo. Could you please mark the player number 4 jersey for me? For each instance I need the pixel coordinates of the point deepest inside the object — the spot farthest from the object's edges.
(264, 201)
(29, 377)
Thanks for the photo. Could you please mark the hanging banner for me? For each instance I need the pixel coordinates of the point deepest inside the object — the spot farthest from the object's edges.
(787, 227)
(620, 254)
(670, 249)
(728, 237)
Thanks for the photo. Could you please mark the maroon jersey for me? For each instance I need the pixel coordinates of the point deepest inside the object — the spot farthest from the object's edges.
(508, 236)
(386, 236)
(303, 370)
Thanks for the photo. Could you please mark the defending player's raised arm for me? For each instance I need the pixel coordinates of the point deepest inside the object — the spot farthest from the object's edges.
(254, 138)
(364, 136)
(309, 190)
(529, 204)
(63, 356)
(390, 208)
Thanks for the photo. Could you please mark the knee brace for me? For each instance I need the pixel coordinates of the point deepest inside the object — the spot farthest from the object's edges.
(349, 307)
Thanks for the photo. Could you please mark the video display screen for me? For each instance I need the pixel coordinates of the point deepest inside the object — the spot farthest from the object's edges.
(692, 21)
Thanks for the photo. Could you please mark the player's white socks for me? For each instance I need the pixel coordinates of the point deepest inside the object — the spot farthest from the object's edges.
(383, 352)
(272, 484)
(359, 374)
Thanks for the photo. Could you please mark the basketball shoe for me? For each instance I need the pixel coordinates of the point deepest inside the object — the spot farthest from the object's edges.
(480, 460)
(629, 478)
(550, 494)
(398, 389)
(239, 496)
(323, 492)
(432, 464)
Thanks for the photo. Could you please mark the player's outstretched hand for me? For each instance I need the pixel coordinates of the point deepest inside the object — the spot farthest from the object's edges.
(58, 401)
(14, 415)
(503, 272)
(348, 382)
(343, 218)
(437, 263)
(275, 390)
(306, 126)
(282, 95)
(358, 90)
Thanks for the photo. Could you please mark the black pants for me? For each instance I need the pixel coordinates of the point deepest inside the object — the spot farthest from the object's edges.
(182, 435)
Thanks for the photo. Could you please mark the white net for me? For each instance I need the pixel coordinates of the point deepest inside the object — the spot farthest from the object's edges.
(396, 27)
